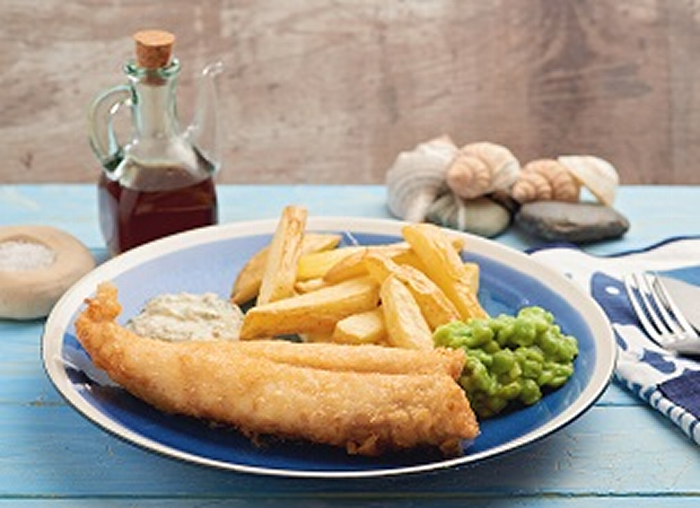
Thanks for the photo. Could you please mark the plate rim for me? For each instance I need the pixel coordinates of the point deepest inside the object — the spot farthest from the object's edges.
(60, 318)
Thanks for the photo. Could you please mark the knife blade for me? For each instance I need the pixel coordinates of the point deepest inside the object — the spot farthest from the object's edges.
(686, 297)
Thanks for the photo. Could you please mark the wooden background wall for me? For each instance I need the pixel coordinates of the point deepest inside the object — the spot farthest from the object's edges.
(319, 91)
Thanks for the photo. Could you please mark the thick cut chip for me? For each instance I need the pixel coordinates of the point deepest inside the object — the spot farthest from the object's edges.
(363, 328)
(247, 284)
(470, 273)
(437, 309)
(307, 286)
(409, 258)
(313, 313)
(405, 324)
(285, 249)
(445, 267)
(353, 266)
(315, 265)
(401, 252)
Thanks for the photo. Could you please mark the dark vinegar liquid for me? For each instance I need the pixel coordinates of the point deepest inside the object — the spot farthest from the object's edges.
(133, 216)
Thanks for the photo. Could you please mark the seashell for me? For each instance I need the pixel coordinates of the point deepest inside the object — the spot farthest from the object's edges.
(545, 180)
(596, 174)
(417, 177)
(482, 168)
(468, 176)
(481, 216)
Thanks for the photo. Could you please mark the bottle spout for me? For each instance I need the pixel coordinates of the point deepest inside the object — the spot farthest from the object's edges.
(213, 69)
(204, 133)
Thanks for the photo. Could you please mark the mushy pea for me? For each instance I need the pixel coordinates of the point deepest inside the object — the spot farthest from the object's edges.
(510, 359)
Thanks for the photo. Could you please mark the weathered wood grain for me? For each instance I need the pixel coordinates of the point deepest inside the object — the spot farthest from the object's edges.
(330, 92)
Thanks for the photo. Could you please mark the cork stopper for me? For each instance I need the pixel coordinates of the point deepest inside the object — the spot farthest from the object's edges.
(154, 48)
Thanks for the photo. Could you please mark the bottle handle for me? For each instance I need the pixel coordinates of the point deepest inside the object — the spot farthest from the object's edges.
(103, 139)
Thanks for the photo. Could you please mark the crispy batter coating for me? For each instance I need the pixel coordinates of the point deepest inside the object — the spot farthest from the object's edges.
(358, 358)
(295, 391)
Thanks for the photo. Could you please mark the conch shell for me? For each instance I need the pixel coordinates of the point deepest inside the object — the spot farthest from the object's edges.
(596, 174)
(482, 168)
(417, 177)
(545, 180)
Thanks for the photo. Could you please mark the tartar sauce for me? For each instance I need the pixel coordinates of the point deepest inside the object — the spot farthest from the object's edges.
(186, 316)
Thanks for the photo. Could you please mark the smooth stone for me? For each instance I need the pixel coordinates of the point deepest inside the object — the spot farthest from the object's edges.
(506, 201)
(571, 222)
(480, 216)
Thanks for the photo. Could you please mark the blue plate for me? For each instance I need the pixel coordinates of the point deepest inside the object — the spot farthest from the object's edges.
(208, 260)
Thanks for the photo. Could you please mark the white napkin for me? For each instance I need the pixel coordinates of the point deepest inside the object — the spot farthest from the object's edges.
(668, 382)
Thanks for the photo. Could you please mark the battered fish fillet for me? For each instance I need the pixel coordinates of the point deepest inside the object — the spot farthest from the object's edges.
(358, 358)
(365, 412)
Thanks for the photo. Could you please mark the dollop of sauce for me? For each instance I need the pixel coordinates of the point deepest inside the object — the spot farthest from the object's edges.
(186, 316)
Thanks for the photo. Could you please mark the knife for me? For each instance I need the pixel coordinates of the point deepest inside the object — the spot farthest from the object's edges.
(686, 297)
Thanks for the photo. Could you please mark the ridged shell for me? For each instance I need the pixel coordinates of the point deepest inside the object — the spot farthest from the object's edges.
(545, 180)
(417, 177)
(596, 174)
(481, 168)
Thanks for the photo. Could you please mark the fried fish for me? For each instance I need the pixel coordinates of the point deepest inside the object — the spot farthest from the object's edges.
(293, 392)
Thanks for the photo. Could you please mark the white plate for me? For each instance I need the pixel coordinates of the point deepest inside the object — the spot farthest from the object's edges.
(209, 259)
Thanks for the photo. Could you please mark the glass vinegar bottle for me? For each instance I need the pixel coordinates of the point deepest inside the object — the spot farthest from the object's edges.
(159, 183)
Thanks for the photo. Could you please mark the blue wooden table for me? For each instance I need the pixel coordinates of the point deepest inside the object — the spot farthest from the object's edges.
(620, 452)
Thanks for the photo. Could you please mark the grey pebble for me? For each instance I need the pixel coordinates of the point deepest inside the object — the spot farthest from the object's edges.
(571, 222)
(481, 216)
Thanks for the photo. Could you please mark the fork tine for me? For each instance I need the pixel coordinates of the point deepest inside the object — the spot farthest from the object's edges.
(681, 324)
(652, 304)
(650, 300)
(633, 289)
(661, 303)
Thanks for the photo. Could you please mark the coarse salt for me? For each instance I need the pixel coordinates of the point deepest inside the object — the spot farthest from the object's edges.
(19, 255)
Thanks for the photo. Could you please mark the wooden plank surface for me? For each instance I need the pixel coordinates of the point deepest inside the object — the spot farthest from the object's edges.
(330, 92)
(70, 457)
(655, 212)
(620, 451)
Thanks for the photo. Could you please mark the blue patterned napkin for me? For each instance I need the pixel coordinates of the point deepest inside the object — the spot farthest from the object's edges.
(669, 383)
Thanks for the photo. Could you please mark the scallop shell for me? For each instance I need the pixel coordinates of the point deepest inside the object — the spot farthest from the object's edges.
(417, 177)
(482, 168)
(545, 180)
(596, 174)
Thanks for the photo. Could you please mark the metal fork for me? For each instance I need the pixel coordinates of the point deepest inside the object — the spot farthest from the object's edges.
(659, 316)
